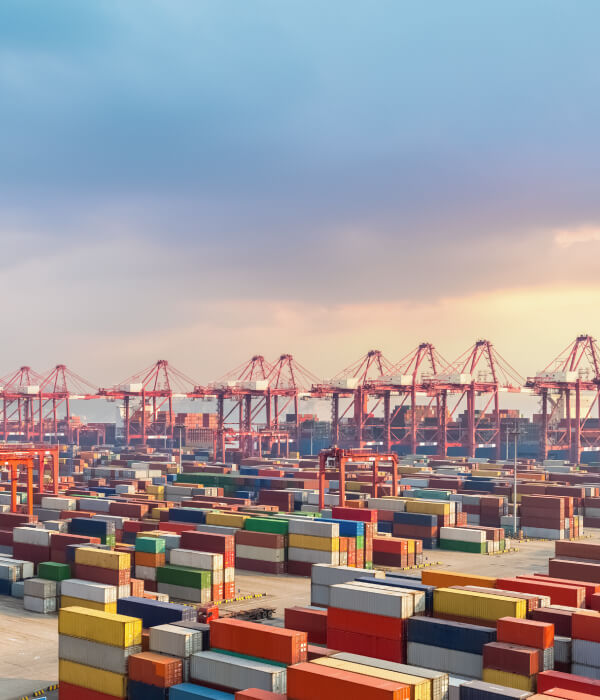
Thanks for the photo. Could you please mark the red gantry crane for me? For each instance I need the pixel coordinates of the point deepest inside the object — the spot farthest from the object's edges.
(144, 395)
(19, 392)
(479, 371)
(571, 376)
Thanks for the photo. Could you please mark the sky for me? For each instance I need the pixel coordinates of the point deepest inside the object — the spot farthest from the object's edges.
(205, 180)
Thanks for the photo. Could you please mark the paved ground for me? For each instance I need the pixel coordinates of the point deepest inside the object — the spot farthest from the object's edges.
(29, 642)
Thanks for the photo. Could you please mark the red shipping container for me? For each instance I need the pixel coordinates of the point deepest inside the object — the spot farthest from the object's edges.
(229, 590)
(585, 624)
(129, 510)
(314, 682)
(31, 552)
(547, 680)
(396, 545)
(316, 652)
(299, 568)
(260, 539)
(512, 658)
(561, 619)
(217, 591)
(577, 550)
(361, 514)
(137, 587)
(257, 694)
(573, 569)
(208, 542)
(366, 623)
(309, 620)
(113, 577)
(281, 645)
(265, 567)
(68, 691)
(568, 694)
(590, 588)
(559, 594)
(155, 669)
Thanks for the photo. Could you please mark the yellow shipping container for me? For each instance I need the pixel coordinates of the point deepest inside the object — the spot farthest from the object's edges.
(479, 606)
(92, 678)
(411, 546)
(322, 544)
(102, 627)
(69, 602)
(155, 512)
(509, 680)
(486, 472)
(353, 485)
(443, 579)
(226, 519)
(102, 558)
(155, 489)
(420, 688)
(428, 507)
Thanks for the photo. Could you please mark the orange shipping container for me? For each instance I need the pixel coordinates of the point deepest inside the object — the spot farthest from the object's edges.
(586, 625)
(559, 594)
(149, 559)
(257, 694)
(313, 682)
(444, 579)
(273, 643)
(155, 669)
(530, 633)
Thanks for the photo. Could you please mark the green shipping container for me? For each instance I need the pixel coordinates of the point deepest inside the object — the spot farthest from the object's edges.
(54, 571)
(472, 547)
(184, 576)
(272, 525)
(360, 542)
(152, 545)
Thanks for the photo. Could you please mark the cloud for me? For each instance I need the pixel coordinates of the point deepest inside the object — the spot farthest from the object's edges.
(585, 234)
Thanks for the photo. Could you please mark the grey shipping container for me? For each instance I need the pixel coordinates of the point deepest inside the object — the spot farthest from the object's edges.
(103, 656)
(237, 673)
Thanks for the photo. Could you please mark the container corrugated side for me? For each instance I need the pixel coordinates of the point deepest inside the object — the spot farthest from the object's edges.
(70, 602)
(93, 678)
(104, 656)
(479, 606)
(363, 598)
(461, 663)
(89, 590)
(420, 687)
(509, 680)
(102, 558)
(175, 641)
(196, 560)
(96, 626)
(313, 556)
(236, 672)
(245, 551)
(585, 652)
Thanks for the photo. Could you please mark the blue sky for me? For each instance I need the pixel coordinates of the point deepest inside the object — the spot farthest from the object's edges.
(203, 181)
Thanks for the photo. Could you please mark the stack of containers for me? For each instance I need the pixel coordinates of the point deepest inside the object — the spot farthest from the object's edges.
(546, 517)
(524, 649)
(311, 542)
(462, 539)
(11, 577)
(585, 649)
(397, 552)
(40, 595)
(216, 544)
(421, 526)
(370, 619)
(151, 675)
(576, 560)
(149, 556)
(94, 648)
(261, 551)
(178, 641)
(189, 577)
(324, 576)
(88, 594)
(453, 647)
(104, 566)
(91, 527)
(31, 544)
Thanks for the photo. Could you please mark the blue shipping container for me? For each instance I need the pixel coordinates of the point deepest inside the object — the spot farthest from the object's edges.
(189, 691)
(448, 634)
(153, 612)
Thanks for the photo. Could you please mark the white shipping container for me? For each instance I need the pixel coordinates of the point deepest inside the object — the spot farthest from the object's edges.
(229, 574)
(246, 551)
(39, 605)
(418, 597)
(175, 641)
(32, 535)
(95, 505)
(462, 534)
(306, 526)
(396, 505)
(371, 600)
(196, 560)
(41, 588)
(56, 525)
(452, 661)
(192, 595)
(329, 575)
(543, 533)
(26, 568)
(117, 520)
(89, 590)
(319, 595)
(237, 673)
(104, 656)
(586, 653)
(59, 503)
(454, 683)
(216, 529)
(146, 573)
(313, 556)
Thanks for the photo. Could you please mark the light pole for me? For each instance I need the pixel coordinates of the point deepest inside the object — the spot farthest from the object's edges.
(515, 432)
